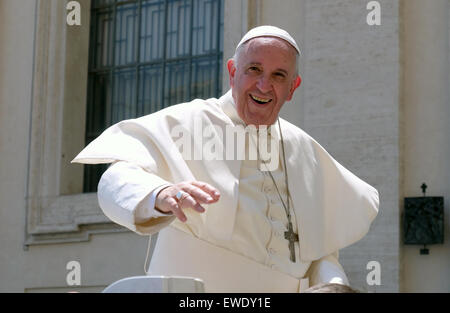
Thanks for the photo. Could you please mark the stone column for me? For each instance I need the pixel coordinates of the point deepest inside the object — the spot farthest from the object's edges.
(425, 120)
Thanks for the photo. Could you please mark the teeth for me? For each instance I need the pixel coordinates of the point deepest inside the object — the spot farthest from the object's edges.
(260, 99)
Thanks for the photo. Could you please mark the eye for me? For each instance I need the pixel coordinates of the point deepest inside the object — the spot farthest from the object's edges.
(254, 69)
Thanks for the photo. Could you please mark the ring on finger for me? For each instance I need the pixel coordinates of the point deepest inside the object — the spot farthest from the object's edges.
(180, 195)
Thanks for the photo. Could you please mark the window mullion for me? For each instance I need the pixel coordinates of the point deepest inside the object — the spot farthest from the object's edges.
(191, 31)
(166, 18)
(139, 110)
(219, 54)
(109, 106)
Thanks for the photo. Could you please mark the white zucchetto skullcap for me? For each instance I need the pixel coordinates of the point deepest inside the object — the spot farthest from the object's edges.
(269, 31)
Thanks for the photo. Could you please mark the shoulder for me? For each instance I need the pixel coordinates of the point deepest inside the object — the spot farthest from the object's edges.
(293, 132)
(302, 140)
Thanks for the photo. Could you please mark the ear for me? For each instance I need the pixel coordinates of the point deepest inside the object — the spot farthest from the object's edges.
(231, 71)
(295, 84)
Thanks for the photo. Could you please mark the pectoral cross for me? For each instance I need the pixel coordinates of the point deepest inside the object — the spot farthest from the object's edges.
(292, 237)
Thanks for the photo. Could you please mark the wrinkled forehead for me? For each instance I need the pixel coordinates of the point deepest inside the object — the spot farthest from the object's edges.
(269, 42)
(270, 51)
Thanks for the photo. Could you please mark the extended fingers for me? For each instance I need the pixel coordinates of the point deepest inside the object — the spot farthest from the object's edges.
(187, 201)
(213, 192)
(175, 208)
(191, 194)
(198, 194)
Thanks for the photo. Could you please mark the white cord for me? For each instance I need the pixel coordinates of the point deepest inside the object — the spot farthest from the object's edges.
(146, 265)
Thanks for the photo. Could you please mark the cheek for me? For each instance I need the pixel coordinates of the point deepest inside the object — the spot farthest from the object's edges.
(283, 93)
(244, 83)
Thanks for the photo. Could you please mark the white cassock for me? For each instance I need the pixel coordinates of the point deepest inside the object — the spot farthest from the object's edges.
(238, 244)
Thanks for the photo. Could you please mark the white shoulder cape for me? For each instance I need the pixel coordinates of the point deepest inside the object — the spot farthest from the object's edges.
(333, 207)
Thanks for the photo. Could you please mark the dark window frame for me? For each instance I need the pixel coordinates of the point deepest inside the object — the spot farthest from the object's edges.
(109, 67)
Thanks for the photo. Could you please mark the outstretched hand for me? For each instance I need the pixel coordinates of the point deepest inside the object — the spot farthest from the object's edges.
(176, 198)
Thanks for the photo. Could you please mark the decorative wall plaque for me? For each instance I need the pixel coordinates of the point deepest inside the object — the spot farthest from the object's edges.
(424, 221)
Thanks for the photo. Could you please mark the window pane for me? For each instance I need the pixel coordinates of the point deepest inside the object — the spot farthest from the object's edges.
(100, 101)
(204, 78)
(150, 89)
(205, 28)
(124, 99)
(178, 29)
(152, 31)
(126, 30)
(177, 77)
(221, 7)
(104, 42)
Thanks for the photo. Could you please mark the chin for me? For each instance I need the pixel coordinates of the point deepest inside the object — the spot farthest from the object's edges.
(266, 119)
(258, 121)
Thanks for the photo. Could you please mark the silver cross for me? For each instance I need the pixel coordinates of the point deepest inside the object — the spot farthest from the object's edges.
(292, 237)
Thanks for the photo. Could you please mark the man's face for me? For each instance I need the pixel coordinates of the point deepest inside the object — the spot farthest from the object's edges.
(263, 79)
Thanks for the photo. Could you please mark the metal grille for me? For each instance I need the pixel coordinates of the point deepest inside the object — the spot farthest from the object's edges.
(146, 55)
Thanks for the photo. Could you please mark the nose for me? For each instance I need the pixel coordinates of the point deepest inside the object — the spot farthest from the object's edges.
(264, 84)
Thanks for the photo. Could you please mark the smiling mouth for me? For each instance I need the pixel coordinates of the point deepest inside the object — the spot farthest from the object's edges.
(260, 100)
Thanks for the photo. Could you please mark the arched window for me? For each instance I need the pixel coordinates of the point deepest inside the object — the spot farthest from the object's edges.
(146, 55)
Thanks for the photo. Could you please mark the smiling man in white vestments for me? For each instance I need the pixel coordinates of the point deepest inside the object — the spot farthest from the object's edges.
(238, 223)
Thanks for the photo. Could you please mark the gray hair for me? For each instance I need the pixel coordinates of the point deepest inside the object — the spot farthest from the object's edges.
(239, 50)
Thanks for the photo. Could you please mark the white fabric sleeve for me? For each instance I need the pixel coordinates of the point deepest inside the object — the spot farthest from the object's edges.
(126, 194)
(146, 209)
(327, 270)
